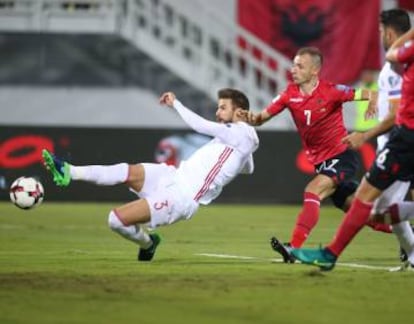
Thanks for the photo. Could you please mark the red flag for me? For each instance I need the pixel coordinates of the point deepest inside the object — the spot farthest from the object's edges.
(346, 31)
(406, 4)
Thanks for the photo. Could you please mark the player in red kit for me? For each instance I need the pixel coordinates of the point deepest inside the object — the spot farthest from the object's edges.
(394, 162)
(316, 108)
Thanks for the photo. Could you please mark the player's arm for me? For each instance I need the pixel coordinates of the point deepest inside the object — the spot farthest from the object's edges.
(345, 93)
(356, 139)
(392, 53)
(364, 94)
(259, 118)
(277, 105)
(196, 122)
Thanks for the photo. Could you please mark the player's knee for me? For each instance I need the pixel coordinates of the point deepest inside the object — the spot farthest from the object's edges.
(342, 193)
(114, 222)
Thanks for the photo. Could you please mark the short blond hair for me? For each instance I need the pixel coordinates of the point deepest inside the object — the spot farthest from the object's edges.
(314, 52)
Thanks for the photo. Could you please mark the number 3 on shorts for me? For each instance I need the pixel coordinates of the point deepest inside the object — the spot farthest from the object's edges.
(160, 205)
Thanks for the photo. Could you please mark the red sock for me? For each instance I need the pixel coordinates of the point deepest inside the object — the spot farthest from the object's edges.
(380, 227)
(306, 220)
(354, 220)
(394, 214)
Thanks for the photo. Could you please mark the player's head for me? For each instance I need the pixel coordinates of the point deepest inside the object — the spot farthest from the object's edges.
(393, 23)
(232, 105)
(307, 64)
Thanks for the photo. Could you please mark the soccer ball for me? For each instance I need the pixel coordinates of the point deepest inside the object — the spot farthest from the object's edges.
(26, 192)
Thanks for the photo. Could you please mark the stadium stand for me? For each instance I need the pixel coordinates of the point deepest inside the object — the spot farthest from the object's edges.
(152, 44)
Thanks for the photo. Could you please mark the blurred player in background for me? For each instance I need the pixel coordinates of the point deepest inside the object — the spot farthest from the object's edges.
(367, 81)
(169, 194)
(316, 108)
(393, 23)
(173, 149)
(394, 162)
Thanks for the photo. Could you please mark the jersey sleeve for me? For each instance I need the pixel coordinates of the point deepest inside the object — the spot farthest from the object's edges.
(343, 93)
(198, 123)
(238, 135)
(405, 53)
(278, 104)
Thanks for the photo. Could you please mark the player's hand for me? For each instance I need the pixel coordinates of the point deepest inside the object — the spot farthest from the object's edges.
(354, 140)
(243, 114)
(254, 119)
(167, 99)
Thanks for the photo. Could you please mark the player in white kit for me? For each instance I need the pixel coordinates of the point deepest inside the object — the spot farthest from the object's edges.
(168, 193)
(393, 23)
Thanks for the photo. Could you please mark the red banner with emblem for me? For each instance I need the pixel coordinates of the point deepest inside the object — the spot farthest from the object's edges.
(346, 31)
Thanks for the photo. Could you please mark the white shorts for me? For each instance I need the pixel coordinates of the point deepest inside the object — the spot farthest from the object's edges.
(393, 194)
(166, 198)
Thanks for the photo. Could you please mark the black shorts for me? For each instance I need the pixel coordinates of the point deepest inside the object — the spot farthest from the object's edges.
(395, 161)
(342, 169)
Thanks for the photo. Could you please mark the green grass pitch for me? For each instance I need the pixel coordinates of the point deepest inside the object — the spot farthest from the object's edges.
(60, 263)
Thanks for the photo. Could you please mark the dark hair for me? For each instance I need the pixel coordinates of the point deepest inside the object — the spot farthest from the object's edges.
(238, 98)
(314, 52)
(397, 19)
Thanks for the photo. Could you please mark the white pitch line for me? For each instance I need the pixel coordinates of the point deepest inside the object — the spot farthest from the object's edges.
(241, 257)
(364, 266)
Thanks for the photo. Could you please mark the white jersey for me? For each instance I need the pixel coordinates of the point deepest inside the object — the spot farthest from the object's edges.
(204, 174)
(389, 87)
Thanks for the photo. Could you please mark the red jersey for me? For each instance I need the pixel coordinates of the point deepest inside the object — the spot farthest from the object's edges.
(405, 112)
(318, 117)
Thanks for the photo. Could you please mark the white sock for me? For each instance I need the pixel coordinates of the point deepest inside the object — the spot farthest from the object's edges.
(405, 236)
(106, 175)
(406, 210)
(133, 233)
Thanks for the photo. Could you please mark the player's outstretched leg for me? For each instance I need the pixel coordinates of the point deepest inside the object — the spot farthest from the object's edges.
(322, 258)
(58, 168)
(148, 253)
(282, 249)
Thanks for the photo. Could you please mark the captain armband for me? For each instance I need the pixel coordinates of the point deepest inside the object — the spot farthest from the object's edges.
(358, 94)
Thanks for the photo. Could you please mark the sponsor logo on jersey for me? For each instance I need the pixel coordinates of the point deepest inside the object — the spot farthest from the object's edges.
(296, 99)
(393, 80)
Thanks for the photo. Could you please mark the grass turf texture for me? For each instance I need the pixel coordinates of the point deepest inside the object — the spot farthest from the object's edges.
(60, 263)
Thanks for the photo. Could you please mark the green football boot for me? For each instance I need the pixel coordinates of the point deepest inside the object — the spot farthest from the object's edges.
(322, 258)
(58, 168)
